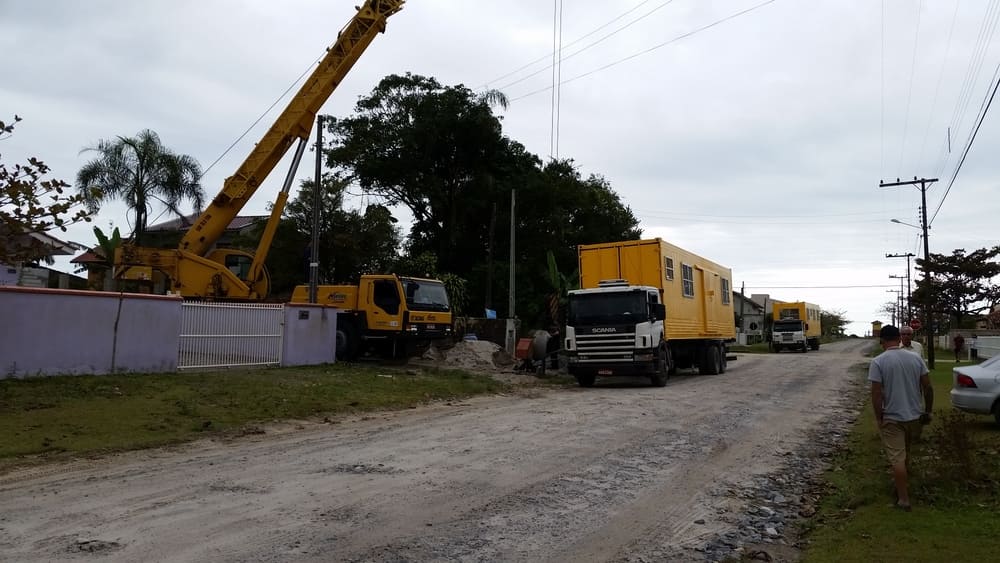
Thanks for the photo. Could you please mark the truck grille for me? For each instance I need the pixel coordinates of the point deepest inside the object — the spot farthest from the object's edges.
(786, 337)
(597, 348)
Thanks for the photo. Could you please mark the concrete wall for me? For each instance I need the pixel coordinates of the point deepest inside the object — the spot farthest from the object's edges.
(310, 335)
(52, 332)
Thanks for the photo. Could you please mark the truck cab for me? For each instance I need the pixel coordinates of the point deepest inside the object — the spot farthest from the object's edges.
(389, 314)
(616, 329)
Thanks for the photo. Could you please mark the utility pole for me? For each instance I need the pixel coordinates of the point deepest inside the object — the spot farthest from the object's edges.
(314, 255)
(902, 297)
(928, 298)
(510, 293)
(908, 255)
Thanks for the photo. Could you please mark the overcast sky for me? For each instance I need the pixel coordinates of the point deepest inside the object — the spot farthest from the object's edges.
(756, 140)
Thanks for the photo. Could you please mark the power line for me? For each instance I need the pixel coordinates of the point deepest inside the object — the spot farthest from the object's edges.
(937, 89)
(570, 44)
(909, 95)
(818, 286)
(589, 45)
(653, 48)
(968, 146)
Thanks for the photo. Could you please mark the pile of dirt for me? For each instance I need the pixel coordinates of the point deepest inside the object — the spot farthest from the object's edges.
(479, 356)
(476, 355)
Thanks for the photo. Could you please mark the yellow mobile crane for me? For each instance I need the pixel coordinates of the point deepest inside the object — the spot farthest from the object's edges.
(376, 310)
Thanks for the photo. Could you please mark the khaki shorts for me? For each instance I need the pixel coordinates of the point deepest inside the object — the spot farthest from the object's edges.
(897, 437)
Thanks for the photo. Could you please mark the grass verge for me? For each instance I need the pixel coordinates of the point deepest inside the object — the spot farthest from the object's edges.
(80, 415)
(954, 484)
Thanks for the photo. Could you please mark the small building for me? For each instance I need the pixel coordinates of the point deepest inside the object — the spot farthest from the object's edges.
(751, 320)
(37, 274)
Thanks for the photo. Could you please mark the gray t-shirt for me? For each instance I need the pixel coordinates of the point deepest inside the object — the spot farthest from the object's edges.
(899, 373)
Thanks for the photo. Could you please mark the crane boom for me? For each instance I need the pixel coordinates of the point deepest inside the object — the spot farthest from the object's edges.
(295, 122)
(196, 268)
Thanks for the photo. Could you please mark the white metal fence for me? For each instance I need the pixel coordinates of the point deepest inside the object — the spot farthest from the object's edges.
(986, 346)
(230, 334)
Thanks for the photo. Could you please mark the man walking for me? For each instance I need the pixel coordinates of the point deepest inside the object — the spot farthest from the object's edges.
(898, 380)
(906, 341)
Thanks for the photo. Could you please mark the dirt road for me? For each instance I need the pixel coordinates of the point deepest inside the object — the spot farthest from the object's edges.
(620, 472)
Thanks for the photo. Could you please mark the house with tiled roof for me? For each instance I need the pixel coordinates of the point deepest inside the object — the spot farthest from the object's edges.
(163, 235)
(37, 274)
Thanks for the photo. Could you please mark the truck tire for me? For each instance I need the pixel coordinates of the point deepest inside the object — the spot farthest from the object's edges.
(776, 348)
(814, 344)
(709, 364)
(586, 380)
(722, 357)
(659, 379)
(348, 339)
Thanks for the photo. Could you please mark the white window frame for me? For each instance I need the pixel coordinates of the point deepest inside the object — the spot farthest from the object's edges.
(727, 294)
(668, 268)
(687, 275)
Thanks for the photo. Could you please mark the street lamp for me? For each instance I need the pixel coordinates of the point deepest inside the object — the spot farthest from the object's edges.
(898, 222)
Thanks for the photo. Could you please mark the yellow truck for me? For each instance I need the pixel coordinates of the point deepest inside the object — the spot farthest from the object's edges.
(796, 326)
(647, 307)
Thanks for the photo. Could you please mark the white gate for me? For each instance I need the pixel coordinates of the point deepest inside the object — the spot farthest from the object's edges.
(230, 334)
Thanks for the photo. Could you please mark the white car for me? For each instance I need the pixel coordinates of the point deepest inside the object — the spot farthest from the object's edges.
(976, 388)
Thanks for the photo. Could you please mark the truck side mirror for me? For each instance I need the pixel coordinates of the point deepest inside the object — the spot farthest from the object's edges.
(659, 311)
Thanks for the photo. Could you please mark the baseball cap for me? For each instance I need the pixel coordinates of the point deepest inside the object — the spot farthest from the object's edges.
(889, 332)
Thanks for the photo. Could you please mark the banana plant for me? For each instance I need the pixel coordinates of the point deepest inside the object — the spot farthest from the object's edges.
(560, 283)
(106, 247)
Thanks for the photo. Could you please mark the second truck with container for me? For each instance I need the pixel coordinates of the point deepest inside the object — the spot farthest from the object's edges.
(647, 308)
(796, 326)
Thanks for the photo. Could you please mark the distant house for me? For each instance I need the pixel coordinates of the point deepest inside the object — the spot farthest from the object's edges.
(751, 317)
(36, 274)
(169, 233)
(162, 235)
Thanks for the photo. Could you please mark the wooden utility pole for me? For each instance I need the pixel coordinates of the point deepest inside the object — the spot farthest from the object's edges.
(928, 298)
(908, 255)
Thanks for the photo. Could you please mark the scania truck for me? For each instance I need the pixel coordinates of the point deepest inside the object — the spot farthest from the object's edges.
(796, 326)
(647, 307)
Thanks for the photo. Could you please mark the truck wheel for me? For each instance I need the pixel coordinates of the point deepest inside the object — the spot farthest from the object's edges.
(348, 339)
(777, 348)
(586, 380)
(659, 378)
(709, 361)
(722, 356)
(805, 347)
(814, 345)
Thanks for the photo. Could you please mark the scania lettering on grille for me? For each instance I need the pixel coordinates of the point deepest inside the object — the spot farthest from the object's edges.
(604, 329)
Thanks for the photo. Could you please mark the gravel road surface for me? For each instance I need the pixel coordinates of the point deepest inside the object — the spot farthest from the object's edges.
(707, 467)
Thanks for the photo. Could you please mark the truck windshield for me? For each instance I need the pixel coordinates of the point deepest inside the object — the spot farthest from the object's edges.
(787, 326)
(425, 295)
(608, 308)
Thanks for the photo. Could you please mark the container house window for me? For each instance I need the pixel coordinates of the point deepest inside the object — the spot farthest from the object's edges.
(668, 268)
(726, 293)
(687, 274)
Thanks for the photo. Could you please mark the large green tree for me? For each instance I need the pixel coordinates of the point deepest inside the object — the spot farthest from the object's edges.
(961, 284)
(30, 203)
(440, 151)
(142, 172)
(351, 242)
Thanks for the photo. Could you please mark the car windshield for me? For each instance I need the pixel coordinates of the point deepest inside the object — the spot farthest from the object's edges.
(626, 307)
(787, 326)
(425, 295)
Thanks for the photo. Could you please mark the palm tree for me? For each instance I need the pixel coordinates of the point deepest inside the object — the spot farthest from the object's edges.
(141, 172)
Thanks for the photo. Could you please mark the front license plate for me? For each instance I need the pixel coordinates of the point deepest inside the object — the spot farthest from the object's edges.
(604, 372)
(431, 327)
